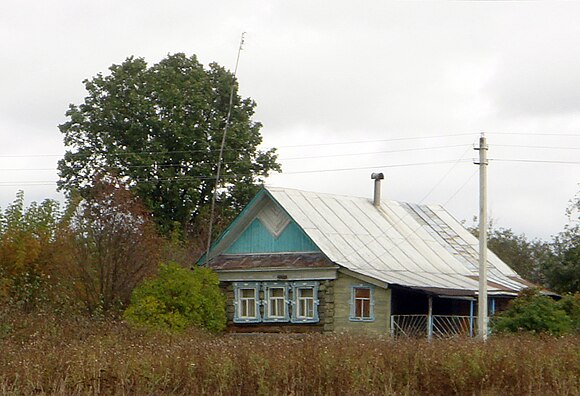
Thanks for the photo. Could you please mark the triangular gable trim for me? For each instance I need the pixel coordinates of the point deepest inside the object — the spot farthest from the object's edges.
(221, 244)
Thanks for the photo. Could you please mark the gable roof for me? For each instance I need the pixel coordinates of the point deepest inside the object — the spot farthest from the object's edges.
(417, 246)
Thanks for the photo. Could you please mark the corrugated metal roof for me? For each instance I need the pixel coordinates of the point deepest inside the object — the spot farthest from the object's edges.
(420, 246)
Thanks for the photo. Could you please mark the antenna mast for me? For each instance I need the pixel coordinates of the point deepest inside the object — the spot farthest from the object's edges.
(221, 154)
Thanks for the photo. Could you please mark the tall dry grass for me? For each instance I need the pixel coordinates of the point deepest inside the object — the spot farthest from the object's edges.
(44, 354)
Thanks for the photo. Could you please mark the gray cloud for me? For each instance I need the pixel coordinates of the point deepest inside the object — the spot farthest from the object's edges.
(325, 72)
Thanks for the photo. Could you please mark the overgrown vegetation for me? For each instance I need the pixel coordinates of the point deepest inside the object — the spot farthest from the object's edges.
(178, 299)
(79, 356)
(537, 313)
(86, 258)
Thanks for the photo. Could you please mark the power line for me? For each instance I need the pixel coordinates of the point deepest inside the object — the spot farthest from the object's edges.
(444, 176)
(537, 147)
(461, 187)
(400, 165)
(120, 154)
(280, 159)
(399, 220)
(535, 161)
(236, 175)
(381, 140)
(232, 149)
(373, 167)
(534, 134)
(374, 152)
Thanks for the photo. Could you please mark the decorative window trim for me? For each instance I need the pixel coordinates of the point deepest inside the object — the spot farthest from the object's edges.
(238, 286)
(353, 317)
(305, 285)
(267, 286)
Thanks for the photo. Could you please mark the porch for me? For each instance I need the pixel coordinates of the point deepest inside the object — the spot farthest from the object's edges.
(419, 314)
(434, 326)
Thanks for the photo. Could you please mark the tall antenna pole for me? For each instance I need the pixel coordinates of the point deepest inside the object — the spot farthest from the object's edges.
(482, 297)
(221, 154)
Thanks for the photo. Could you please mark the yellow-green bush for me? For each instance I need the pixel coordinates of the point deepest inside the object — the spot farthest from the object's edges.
(177, 299)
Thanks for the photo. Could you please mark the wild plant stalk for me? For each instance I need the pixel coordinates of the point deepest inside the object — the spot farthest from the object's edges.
(48, 355)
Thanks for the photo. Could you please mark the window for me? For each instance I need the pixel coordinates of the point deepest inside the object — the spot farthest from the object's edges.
(305, 302)
(362, 303)
(276, 302)
(247, 302)
(281, 301)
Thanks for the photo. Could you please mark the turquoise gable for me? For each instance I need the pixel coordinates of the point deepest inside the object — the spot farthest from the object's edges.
(257, 239)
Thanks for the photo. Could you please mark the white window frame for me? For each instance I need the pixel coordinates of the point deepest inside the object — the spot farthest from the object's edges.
(296, 287)
(239, 301)
(268, 300)
(371, 301)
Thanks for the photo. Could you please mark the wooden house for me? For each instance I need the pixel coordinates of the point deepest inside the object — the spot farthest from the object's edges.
(298, 261)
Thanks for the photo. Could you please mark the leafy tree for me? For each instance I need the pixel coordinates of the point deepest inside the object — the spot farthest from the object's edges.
(160, 129)
(533, 312)
(27, 249)
(522, 255)
(177, 299)
(563, 270)
(114, 245)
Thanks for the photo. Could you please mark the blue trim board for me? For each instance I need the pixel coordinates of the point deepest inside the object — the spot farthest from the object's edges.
(252, 202)
(296, 237)
(257, 239)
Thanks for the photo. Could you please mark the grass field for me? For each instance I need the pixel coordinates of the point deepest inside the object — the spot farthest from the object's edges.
(45, 354)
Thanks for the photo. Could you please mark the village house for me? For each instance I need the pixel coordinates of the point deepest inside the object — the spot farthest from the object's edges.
(299, 261)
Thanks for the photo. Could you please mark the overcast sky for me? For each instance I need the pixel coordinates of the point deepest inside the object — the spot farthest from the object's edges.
(327, 72)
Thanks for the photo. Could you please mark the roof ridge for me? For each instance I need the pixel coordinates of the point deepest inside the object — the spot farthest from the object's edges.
(269, 188)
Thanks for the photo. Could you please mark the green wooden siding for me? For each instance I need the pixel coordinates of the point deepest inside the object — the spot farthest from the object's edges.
(257, 239)
(342, 304)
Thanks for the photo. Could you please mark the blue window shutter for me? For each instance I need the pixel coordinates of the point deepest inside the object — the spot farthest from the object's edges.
(267, 293)
(353, 317)
(238, 286)
(305, 285)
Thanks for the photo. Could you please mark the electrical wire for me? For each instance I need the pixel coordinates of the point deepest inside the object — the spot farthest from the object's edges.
(236, 175)
(232, 149)
(535, 161)
(534, 134)
(279, 159)
(536, 147)
(118, 154)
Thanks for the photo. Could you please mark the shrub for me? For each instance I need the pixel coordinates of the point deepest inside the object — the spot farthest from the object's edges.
(570, 303)
(533, 312)
(177, 299)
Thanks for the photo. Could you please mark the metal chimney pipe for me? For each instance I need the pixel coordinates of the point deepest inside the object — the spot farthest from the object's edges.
(377, 177)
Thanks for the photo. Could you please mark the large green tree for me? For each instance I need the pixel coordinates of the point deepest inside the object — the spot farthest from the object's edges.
(563, 270)
(160, 128)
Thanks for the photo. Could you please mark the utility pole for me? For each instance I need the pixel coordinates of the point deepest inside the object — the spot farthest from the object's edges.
(482, 297)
